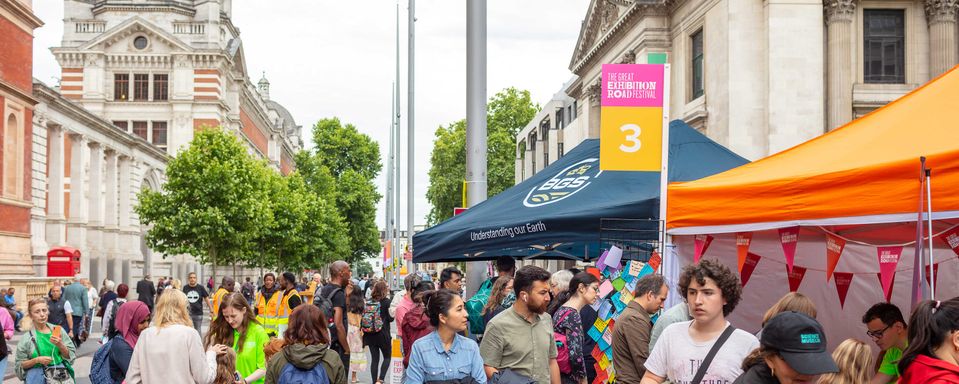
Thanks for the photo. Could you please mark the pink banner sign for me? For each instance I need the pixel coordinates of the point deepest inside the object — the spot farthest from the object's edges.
(795, 277)
(834, 247)
(633, 85)
(888, 259)
(843, 281)
(743, 239)
(702, 244)
(951, 238)
(888, 295)
(749, 266)
(788, 237)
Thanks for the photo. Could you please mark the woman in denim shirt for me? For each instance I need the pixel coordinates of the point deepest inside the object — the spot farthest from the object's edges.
(444, 354)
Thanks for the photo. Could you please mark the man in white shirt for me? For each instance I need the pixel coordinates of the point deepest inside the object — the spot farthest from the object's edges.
(712, 291)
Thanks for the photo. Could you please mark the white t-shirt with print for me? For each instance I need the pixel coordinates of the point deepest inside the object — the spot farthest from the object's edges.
(677, 357)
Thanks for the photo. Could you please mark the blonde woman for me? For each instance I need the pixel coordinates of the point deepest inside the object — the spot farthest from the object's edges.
(854, 359)
(170, 350)
(45, 350)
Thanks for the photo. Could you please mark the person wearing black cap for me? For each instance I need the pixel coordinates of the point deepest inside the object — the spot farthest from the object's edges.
(792, 350)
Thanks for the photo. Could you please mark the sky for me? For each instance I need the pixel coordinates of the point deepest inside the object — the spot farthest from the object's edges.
(338, 59)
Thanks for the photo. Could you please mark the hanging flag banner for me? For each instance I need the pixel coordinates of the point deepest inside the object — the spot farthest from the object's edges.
(888, 259)
(654, 261)
(387, 260)
(632, 117)
(795, 277)
(749, 265)
(935, 271)
(888, 295)
(742, 247)
(788, 237)
(951, 238)
(702, 243)
(834, 247)
(843, 281)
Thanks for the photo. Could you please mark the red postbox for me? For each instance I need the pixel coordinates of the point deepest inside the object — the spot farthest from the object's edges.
(63, 262)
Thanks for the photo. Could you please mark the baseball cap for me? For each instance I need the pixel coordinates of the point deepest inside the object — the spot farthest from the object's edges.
(800, 341)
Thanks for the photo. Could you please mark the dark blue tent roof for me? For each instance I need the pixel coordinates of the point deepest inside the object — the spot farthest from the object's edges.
(557, 212)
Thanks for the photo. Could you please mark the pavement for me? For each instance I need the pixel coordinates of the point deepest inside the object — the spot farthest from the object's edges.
(87, 349)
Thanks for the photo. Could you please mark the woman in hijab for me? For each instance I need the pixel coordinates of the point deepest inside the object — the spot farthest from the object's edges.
(132, 317)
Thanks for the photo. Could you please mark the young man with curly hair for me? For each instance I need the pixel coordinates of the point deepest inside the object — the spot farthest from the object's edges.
(712, 291)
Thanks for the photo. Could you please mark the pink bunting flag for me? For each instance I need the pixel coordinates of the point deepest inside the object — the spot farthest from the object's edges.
(888, 295)
(789, 237)
(795, 277)
(743, 239)
(951, 238)
(888, 259)
(702, 244)
(834, 247)
(843, 281)
(749, 265)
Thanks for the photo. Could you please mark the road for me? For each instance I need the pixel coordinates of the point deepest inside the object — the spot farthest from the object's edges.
(85, 358)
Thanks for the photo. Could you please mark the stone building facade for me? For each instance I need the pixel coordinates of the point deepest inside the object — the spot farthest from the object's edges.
(759, 76)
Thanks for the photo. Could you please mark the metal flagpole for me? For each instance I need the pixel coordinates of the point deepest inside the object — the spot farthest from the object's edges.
(398, 252)
(918, 289)
(932, 259)
(664, 171)
(475, 122)
(410, 66)
(388, 235)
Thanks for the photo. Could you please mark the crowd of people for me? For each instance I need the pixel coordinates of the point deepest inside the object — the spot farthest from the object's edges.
(533, 330)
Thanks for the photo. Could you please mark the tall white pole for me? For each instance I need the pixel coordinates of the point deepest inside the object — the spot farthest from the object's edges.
(475, 122)
(388, 235)
(410, 66)
(932, 260)
(397, 178)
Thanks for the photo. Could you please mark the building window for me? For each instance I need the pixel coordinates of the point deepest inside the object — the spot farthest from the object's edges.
(121, 124)
(159, 133)
(160, 87)
(559, 149)
(140, 42)
(141, 86)
(884, 46)
(12, 169)
(697, 64)
(121, 86)
(140, 129)
(560, 119)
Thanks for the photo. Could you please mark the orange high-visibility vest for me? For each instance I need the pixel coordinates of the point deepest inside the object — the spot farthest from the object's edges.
(267, 310)
(217, 298)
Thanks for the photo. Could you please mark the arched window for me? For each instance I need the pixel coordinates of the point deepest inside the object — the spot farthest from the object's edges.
(11, 161)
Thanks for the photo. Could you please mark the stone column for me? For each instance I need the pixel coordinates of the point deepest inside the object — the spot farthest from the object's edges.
(56, 229)
(76, 224)
(110, 222)
(941, 17)
(95, 226)
(125, 247)
(593, 91)
(839, 16)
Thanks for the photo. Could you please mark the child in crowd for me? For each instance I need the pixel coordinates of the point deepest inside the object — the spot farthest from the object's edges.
(226, 368)
(356, 303)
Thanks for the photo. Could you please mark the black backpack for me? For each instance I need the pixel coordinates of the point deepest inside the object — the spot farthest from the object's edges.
(112, 328)
(325, 303)
(247, 291)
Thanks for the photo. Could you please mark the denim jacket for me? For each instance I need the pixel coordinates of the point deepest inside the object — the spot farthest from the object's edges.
(429, 361)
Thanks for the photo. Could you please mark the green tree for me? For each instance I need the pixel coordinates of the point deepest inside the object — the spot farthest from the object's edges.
(363, 268)
(506, 114)
(213, 205)
(342, 166)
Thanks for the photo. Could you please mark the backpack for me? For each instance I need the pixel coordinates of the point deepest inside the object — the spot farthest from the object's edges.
(247, 291)
(112, 328)
(293, 375)
(474, 307)
(562, 349)
(100, 367)
(325, 303)
(372, 322)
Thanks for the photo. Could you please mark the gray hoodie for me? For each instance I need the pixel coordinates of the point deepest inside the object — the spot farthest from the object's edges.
(306, 357)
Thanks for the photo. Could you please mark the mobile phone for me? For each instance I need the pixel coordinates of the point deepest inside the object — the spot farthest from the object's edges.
(236, 376)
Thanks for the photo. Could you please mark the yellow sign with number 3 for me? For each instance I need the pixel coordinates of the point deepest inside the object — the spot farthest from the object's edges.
(631, 139)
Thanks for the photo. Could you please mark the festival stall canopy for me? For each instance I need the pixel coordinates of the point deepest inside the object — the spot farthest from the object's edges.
(865, 172)
(559, 209)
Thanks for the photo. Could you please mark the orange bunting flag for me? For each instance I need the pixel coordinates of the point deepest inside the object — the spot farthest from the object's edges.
(834, 247)
(743, 239)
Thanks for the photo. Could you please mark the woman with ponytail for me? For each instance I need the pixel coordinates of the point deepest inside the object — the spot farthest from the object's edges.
(583, 290)
(933, 352)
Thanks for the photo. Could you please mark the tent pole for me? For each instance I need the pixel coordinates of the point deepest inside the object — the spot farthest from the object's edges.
(932, 271)
(918, 288)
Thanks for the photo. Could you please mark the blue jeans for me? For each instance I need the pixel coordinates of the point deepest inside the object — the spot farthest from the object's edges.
(3, 365)
(35, 375)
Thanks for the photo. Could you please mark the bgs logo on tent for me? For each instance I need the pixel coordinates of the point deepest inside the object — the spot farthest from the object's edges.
(564, 184)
